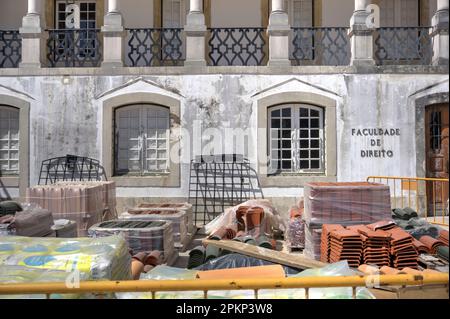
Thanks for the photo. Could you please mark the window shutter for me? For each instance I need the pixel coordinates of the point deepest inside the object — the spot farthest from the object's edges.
(172, 13)
(399, 13)
(409, 13)
(129, 142)
(302, 13)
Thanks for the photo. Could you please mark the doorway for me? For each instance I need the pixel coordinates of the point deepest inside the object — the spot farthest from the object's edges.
(437, 161)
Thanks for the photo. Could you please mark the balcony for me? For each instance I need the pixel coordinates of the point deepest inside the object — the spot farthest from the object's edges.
(137, 44)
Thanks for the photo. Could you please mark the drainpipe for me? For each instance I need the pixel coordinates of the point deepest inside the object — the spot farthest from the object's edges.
(361, 37)
(33, 38)
(278, 32)
(195, 34)
(439, 34)
(114, 35)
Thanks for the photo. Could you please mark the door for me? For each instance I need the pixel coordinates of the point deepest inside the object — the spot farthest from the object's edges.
(437, 163)
(173, 16)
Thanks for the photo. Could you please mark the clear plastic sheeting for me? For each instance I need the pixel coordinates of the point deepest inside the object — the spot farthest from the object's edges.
(99, 258)
(239, 261)
(20, 274)
(334, 270)
(141, 236)
(296, 233)
(33, 221)
(272, 220)
(312, 243)
(346, 203)
(178, 218)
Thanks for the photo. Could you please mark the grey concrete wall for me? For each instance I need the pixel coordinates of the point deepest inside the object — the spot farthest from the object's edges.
(67, 118)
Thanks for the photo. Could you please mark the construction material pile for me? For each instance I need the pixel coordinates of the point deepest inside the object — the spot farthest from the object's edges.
(296, 228)
(31, 221)
(95, 258)
(85, 203)
(360, 244)
(141, 236)
(345, 204)
(180, 215)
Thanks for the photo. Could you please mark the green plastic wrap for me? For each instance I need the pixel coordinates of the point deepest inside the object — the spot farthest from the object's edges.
(96, 258)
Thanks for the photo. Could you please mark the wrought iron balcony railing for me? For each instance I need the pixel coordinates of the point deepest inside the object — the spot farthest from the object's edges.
(10, 48)
(320, 46)
(155, 47)
(237, 46)
(74, 48)
(403, 45)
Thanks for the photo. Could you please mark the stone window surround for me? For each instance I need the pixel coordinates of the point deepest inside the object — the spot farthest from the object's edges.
(296, 179)
(22, 180)
(171, 179)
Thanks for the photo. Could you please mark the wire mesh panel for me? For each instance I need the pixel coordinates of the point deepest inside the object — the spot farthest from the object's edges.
(155, 47)
(218, 182)
(74, 48)
(403, 45)
(320, 46)
(237, 46)
(70, 168)
(10, 48)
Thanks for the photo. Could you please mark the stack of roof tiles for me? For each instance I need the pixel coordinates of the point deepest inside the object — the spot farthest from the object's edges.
(431, 243)
(376, 245)
(443, 236)
(403, 252)
(326, 240)
(420, 247)
(346, 244)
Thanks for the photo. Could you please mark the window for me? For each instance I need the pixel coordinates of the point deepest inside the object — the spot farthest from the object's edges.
(300, 13)
(296, 139)
(9, 140)
(174, 13)
(87, 14)
(142, 139)
(399, 13)
(436, 131)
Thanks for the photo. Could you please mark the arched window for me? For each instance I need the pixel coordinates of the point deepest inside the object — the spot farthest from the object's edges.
(9, 140)
(142, 139)
(296, 141)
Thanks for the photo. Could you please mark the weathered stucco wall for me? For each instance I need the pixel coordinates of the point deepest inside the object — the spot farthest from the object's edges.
(67, 118)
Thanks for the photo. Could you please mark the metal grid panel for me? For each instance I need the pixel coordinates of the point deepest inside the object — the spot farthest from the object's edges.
(218, 182)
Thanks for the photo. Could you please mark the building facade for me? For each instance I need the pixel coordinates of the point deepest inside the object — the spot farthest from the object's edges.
(307, 90)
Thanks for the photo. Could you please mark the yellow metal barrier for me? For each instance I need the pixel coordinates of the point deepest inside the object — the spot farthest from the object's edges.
(154, 286)
(429, 196)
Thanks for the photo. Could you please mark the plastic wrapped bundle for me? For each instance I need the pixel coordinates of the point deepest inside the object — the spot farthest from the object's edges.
(178, 218)
(97, 258)
(173, 207)
(346, 203)
(85, 203)
(142, 236)
(33, 221)
(312, 242)
(20, 274)
(296, 234)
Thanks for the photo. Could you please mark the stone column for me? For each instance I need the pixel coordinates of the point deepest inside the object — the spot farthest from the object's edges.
(278, 31)
(195, 32)
(440, 33)
(33, 38)
(113, 37)
(361, 37)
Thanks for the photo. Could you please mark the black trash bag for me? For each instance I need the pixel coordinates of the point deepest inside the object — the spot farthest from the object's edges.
(238, 261)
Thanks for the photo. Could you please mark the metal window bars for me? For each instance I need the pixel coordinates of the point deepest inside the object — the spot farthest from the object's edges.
(320, 46)
(10, 48)
(237, 46)
(155, 47)
(74, 48)
(403, 45)
(70, 168)
(220, 181)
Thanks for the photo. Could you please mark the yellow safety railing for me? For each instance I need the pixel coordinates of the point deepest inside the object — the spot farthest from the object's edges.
(429, 196)
(153, 286)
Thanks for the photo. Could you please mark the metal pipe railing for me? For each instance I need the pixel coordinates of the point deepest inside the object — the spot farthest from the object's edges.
(371, 281)
(429, 191)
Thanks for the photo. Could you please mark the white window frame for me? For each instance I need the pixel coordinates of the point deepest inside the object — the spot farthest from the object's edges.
(78, 2)
(144, 141)
(274, 136)
(6, 113)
